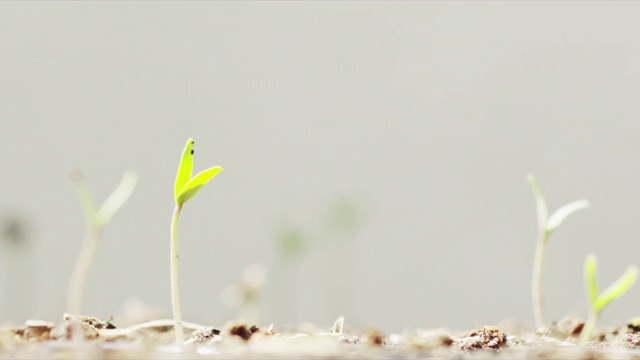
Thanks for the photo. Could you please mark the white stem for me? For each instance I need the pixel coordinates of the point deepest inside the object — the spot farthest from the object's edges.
(175, 291)
(81, 270)
(536, 283)
(589, 326)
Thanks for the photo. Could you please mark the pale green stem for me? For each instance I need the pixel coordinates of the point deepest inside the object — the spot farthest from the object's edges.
(538, 309)
(175, 291)
(589, 326)
(81, 270)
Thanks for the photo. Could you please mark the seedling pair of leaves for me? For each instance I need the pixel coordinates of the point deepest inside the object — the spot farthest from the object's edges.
(186, 187)
(546, 226)
(599, 300)
(96, 219)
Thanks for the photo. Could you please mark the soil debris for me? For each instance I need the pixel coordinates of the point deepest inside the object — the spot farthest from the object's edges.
(338, 326)
(567, 327)
(242, 330)
(631, 340)
(486, 337)
(374, 337)
(40, 339)
(270, 330)
(93, 321)
(424, 339)
(37, 330)
(72, 326)
(633, 326)
(206, 334)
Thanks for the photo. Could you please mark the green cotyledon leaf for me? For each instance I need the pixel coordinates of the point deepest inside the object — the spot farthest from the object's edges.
(541, 204)
(194, 185)
(617, 288)
(117, 198)
(86, 200)
(185, 168)
(562, 213)
(590, 278)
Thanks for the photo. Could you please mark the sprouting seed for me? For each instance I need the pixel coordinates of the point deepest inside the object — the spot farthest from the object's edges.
(96, 220)
(599, 300)
(546, 225)
(186, 187)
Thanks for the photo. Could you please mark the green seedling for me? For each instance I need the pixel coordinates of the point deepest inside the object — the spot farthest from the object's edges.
(186, 187)
(96, 219)
(599, 301)
(546, 225)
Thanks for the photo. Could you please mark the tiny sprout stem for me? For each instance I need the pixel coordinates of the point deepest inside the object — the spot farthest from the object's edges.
(589, 326)
(538, 308)
(81, 270)
(175, 291)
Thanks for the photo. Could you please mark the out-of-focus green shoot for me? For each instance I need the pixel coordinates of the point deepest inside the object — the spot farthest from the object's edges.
(599, 301)
(546, 225)
(96, 219)
(292, 242)
(246, 296)
(186, 187)
(343, 218)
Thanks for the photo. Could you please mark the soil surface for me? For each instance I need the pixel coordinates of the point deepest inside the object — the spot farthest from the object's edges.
(88, 337)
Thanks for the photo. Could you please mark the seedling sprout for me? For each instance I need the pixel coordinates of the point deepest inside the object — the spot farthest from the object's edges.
(96, 221)
(186, 187)
(599, 301)
(546, 225)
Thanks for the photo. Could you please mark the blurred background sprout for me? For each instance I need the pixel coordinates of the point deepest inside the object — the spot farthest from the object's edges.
(599, 300)
(96, 219)
(546, 225)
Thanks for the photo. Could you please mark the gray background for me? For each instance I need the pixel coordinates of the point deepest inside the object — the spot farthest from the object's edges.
(424, 116)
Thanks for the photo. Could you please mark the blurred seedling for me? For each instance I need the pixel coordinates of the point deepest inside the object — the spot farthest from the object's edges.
(246, 296)
(96, 219)
(343, 218)
(292, 242)
(546, 225)
(14, 230)
(599, 300)
(186, 187)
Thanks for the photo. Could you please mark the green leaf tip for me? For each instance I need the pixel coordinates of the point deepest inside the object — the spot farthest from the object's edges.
(117, 198)
(548, 224)
(195, 184)
(562, 213)
(590, 278)
(541, 204)
(86, 200)
(100, 217)
(187, 187)
(614, 291)
(185, 168)
(617, 289)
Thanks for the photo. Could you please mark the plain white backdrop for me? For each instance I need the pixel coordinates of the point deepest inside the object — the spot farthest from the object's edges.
(427, 115)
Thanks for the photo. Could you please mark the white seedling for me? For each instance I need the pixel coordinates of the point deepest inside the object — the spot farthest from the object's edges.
(96, 219)
(599, 300)
(186, 187)
(546, 225)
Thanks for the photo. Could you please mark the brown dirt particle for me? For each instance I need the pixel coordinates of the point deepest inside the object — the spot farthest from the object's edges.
(206, 334)
(37, 329)
(242, 331)
(631, 340)
(566, 328)
(373, 337)
(486, 337)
